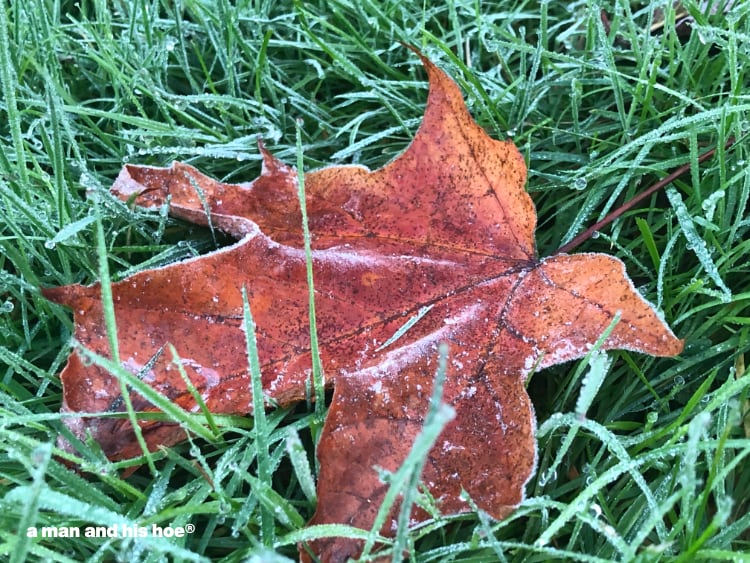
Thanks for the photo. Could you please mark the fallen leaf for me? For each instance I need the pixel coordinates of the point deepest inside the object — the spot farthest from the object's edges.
(446, 225)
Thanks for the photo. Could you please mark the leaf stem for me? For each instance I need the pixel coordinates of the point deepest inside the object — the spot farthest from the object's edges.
(630, 204)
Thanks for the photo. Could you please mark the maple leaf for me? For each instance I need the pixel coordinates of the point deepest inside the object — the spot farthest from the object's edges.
(446, 226)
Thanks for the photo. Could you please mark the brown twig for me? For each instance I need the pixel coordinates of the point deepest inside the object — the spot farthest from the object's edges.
(630, 204)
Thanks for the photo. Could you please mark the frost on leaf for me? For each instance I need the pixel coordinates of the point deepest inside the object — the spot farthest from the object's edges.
(444, 231)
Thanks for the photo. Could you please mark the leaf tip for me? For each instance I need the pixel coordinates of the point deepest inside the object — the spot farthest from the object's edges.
(67, 295)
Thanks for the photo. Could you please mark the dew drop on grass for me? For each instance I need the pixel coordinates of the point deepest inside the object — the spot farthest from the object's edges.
(579, 184)
(709, 204)
(547, 476)
(49, 244)
(696, 244)
(7, 307)
(40, 454)
(679, 381)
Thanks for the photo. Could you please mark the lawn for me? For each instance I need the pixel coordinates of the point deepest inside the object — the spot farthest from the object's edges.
(640, 458)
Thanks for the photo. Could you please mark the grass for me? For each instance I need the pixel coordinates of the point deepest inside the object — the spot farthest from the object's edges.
(658, 469)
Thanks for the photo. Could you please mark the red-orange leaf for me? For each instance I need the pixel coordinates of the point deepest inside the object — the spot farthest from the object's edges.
(448, 225)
